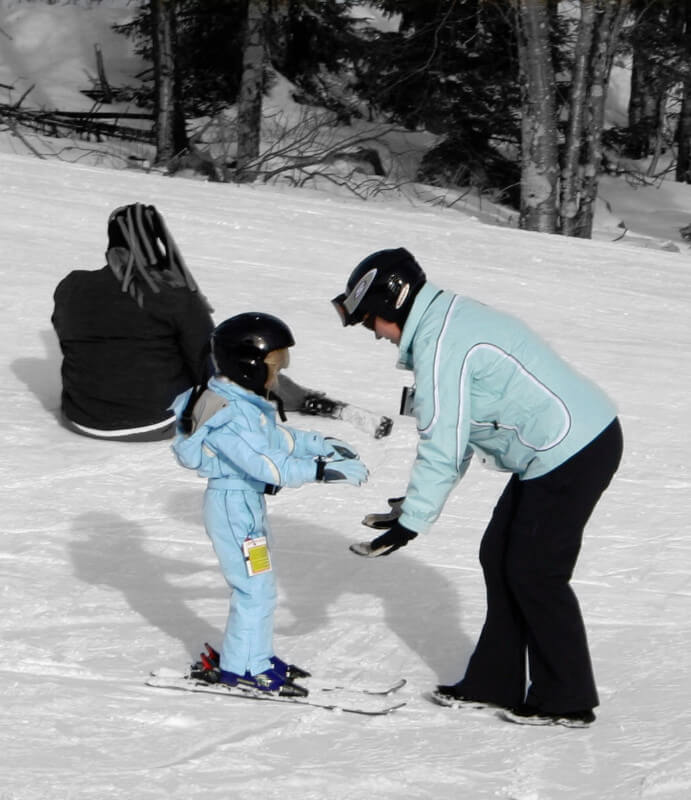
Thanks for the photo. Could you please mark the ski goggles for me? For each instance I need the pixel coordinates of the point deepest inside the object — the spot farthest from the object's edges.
(349, 305)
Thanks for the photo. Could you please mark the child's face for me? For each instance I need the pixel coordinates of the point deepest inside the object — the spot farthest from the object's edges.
(275, 361)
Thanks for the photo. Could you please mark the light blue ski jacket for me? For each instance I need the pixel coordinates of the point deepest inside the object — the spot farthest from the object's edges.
(238, 444)
(487, 384)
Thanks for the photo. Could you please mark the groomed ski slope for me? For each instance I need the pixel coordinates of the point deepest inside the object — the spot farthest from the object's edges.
(107, 573)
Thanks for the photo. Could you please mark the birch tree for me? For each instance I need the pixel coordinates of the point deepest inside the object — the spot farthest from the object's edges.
(559, 182)
(539, 133)
(251, 88)
(609, 19)
(571, 169)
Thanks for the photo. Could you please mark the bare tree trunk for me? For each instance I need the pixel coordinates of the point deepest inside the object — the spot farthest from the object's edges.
(169, 121)
(610, 16)
(571, 182)
(683, 170)
(251, 88)
(539, 148)
(659, 141)
(102, 78)
(643, 106)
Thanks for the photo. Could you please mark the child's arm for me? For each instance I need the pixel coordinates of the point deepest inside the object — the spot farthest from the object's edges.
(310, 443)
(251, 453)
(302, 443)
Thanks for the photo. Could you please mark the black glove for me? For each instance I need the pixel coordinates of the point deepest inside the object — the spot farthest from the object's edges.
(397, 536)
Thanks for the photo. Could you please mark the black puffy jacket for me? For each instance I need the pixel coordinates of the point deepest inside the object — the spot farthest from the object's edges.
(123, 365)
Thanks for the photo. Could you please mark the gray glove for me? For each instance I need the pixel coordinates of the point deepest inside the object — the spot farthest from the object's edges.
(344, 470)
(386, 519)
(340, 448)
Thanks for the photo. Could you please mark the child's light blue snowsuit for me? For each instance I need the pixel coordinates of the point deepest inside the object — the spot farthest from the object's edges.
(238, 446)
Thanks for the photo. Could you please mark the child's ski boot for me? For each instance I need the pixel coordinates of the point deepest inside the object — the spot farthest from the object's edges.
(208, 669)
(268, 681)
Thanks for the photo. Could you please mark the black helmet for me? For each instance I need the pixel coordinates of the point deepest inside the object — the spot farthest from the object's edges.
(142, 253)
(240, 344)
(384, 285)
(140, 229)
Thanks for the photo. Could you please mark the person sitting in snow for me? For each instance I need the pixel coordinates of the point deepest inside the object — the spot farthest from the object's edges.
(486, 384)
(134, 333)
(228, 433)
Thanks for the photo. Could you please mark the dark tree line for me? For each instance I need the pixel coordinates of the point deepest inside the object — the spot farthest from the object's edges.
(516, 90)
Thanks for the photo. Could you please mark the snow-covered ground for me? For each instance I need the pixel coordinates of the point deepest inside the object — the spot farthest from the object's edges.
(107, 573)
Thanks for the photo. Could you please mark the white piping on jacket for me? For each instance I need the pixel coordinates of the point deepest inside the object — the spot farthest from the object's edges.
(437, 352)
(275, 472)
(497, 425)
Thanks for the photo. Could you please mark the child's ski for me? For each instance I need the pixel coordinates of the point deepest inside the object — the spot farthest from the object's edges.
(370, 702)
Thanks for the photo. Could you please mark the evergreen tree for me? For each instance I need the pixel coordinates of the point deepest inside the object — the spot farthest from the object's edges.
(314, 43)
(659, 62)
(451, 68)
(305, 39)
(683, 170)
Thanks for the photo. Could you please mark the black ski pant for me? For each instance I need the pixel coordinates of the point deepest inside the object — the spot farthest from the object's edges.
(528, 554)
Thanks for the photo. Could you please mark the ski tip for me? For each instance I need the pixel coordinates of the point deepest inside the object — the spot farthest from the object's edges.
(379, 712)
(388, 690)
(440, 699)
(397, 686)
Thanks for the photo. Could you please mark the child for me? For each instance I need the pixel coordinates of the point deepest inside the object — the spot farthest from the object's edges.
(229, 434)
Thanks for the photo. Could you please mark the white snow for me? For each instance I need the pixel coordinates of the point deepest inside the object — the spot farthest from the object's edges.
(107, 573)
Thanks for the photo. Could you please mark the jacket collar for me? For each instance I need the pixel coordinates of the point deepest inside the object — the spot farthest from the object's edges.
(425, 297)
(233, 391)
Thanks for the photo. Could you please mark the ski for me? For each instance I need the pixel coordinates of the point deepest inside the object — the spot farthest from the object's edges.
(310, 682)
(361, 418)
(330, 697)
(381, 691)
(368, 421)
(566, 720)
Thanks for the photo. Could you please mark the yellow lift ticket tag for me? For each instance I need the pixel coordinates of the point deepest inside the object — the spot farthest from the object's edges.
(257, 556)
